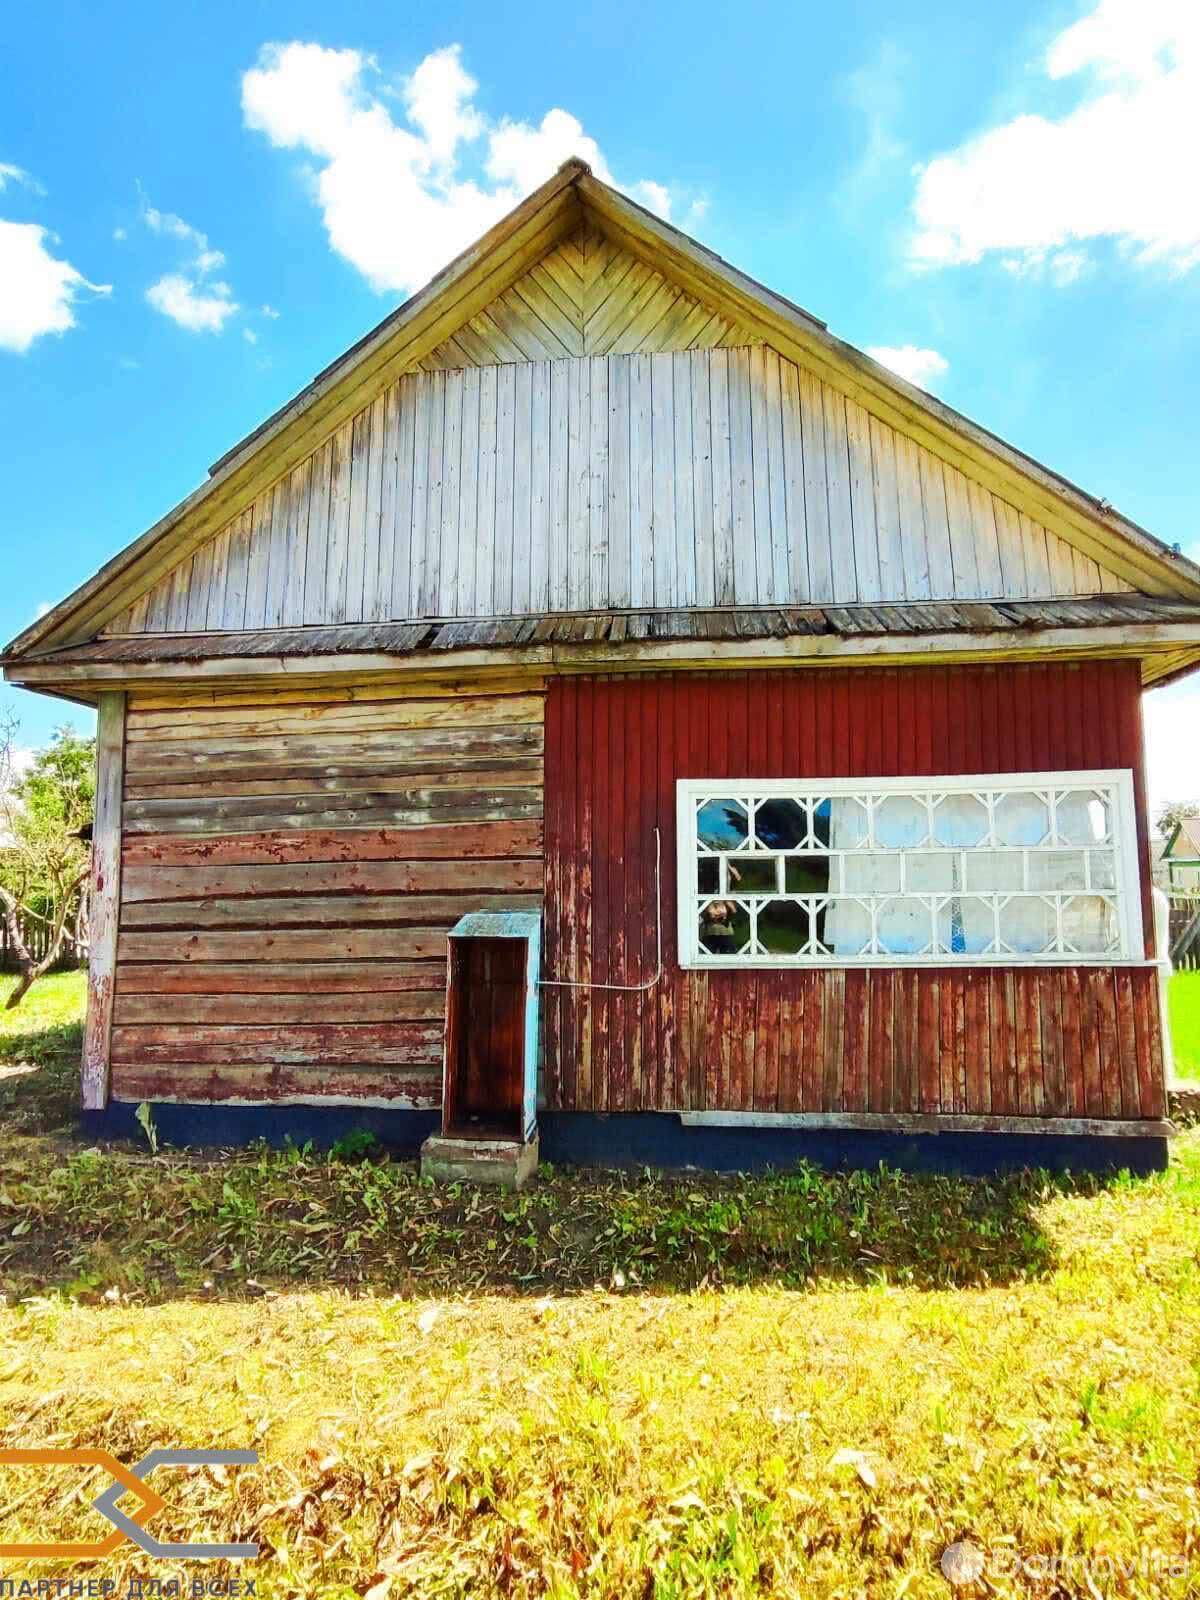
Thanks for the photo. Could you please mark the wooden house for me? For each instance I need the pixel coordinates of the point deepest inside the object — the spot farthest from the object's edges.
(602, 584)
(1181, 856)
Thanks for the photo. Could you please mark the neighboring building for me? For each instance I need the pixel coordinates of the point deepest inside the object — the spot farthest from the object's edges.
(1181, 854)
(1160, 874)
(595, 549)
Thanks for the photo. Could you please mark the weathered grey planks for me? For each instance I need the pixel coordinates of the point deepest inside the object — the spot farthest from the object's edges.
(667, 479)
(588, 297)
(105, 900)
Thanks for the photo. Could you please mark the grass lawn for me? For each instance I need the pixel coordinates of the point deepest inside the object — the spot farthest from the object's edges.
(609, 1385)
(1183, 1002)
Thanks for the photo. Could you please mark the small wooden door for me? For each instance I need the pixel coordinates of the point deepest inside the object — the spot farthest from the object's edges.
(485, 1038)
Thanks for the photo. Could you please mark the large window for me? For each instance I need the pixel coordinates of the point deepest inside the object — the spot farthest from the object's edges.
(1040, 867)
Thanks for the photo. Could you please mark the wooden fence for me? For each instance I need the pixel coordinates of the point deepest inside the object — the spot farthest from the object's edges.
(37, 940)
(1185, 931)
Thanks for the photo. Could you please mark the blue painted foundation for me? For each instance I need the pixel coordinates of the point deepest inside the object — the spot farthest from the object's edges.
(649, 1139)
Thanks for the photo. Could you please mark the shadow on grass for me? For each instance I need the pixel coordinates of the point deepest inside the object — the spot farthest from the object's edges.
(175, 1224)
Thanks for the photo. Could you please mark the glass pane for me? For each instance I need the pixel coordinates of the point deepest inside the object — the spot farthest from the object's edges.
(784, 928)
(1021, 818)
(1081, 817)
(1057, 869)
(966, 926)
(1104, 870)
(929, 873)
(1027, 924)
(753, 875)
(708, 874)
(847, 823)
(903, 927)
(822, 812)
(960, 819)
(1090, 925)
(724, 928)
(875, 873)
(722, 824)
(780, 824)
(901, 821)
(848, 927)
(994, 869)
(806, 874)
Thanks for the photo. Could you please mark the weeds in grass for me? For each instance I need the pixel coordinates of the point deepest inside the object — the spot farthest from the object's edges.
(660, 1388)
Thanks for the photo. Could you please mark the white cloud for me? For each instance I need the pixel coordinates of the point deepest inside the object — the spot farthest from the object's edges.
(120, 235)
(249, 335)
(11, 174)
(38, 291)
(395, 198)
(270, 311)
(1119, 165)
(188, 296)
(44, 610)
(201, 308)
(922, 367)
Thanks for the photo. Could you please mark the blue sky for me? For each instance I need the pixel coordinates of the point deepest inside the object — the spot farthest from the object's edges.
(201, 207)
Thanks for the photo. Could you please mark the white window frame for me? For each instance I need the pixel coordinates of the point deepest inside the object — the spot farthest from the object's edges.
(1128, 886)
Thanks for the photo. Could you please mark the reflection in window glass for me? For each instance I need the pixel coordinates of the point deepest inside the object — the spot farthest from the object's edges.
(806, 874)
(780, 824)
(785, 928)
(973, 871)
(724, 928)
(753, 875)
(722, 824)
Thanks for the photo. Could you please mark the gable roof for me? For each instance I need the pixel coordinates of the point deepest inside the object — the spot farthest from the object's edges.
(1184, 842)
(439, 319)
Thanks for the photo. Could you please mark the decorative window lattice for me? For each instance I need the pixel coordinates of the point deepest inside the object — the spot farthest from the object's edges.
(1040, 868)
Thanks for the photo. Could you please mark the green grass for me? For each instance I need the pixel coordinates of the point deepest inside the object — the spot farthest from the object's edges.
(1183, 1002)
(643, 1386)
(40, 1045)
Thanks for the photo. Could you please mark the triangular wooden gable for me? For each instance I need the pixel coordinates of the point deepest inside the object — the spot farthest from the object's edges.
(542, 485)
(587, 410)
(587, 297)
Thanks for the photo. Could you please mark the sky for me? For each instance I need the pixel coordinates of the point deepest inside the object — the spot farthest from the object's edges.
(200, 207)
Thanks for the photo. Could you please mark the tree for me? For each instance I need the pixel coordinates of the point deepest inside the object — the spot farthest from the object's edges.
(1172, 812)
(45, 804)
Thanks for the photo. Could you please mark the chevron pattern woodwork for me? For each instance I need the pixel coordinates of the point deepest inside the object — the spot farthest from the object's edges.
(588, 297)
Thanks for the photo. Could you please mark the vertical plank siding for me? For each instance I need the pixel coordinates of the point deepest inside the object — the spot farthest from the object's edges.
(290, 867)
(683, 477)
(1052, 1041)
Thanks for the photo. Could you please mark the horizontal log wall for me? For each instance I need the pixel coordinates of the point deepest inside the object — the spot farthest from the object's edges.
(290, 867)
(1076, 1042)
